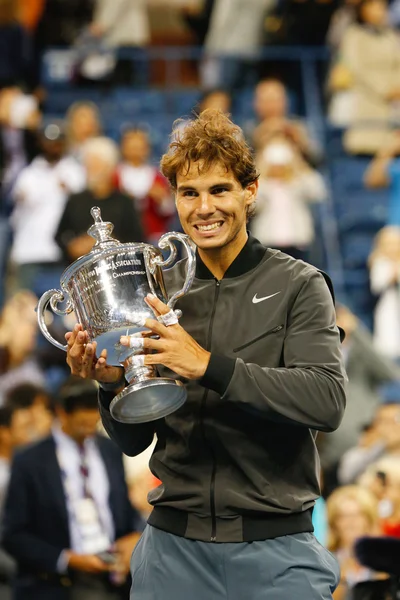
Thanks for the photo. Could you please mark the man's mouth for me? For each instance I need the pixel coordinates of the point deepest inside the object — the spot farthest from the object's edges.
(209, 226)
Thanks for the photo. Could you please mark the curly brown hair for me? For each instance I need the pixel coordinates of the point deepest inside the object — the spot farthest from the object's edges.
(209, 139)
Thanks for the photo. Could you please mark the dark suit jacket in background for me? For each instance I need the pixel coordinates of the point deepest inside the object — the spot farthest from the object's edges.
(36, 528)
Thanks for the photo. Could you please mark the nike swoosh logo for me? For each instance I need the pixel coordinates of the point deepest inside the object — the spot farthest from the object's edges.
(257, 300)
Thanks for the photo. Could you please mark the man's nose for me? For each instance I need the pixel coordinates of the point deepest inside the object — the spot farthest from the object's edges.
(205, 205)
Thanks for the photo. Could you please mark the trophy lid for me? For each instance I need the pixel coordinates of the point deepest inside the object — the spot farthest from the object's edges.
(101, 230)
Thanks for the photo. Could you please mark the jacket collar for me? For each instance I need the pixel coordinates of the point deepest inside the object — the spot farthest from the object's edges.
(248, 258)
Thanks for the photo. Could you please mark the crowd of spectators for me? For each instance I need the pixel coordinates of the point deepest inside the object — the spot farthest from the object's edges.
(53, 170)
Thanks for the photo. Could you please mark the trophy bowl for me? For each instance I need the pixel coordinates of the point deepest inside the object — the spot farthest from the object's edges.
(106, 289)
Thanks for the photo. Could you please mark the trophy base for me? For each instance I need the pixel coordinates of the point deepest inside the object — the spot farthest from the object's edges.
(148, 400)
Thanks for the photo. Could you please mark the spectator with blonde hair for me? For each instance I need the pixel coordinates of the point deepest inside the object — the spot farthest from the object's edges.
(352, 513)
(100, 157)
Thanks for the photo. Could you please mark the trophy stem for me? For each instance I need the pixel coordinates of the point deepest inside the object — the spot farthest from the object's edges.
(138, 374)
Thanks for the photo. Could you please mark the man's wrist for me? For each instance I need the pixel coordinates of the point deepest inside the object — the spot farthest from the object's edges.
(219, 373)
(114, 386)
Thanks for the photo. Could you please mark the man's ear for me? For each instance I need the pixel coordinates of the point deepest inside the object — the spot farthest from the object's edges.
(251, 192)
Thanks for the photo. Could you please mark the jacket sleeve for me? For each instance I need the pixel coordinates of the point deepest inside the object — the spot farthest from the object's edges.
(310, 389)
(131, 439)
(25, 547)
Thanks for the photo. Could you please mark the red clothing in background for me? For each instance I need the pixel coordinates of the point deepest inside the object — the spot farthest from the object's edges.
(138, 183)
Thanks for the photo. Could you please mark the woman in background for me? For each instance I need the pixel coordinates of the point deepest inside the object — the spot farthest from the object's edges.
(352, 513)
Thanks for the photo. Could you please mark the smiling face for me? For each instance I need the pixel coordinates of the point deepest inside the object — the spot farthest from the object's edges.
(213, 206)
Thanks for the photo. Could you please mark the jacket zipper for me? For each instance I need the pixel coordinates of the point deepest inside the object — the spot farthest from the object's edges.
(260, 337)
(207, 443)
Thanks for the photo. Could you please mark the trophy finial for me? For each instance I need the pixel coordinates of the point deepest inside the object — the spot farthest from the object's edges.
(96, 214)
(100, 230)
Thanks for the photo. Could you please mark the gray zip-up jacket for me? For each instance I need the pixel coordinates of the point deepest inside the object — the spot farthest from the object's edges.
(238, 460)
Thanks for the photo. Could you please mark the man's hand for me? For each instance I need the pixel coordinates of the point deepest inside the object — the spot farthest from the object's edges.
(124, 547)
(175, 348)
(88, 563)
(82, 360)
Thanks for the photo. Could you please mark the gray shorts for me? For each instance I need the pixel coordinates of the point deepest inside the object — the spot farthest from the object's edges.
(292, 567)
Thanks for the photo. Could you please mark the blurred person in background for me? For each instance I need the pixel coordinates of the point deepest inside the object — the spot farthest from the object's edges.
(216, 99)
(387, 486)
(384, 172)
(15, 48)
(233, 43)
(352, 513)
(18, 331)
(82, 122)
(367, 370)
(287, 186)
(19, 119)
(68, 521)
(365, 81)
(37, 402)
(272, 118)
(379, 440)
(115, 25)
(100, 158)
(344, 16)
(145, 184)
(14, 433)
(384, 267)
(40, 194)
(121, 22)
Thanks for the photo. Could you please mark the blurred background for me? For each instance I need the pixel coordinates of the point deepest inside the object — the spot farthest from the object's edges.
(89, 91)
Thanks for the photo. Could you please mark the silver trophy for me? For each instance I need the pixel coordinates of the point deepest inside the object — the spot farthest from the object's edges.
(106, 289)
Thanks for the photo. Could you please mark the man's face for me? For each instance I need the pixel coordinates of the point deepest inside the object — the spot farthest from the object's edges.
(212, 206)
(135, 148)
(97, 170)
(270, 101)
(53, 150)
(80, 424)
(22, 429)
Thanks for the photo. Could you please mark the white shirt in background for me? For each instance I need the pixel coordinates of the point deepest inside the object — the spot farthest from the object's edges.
(283, 216)
(40, 194)
(387, 310)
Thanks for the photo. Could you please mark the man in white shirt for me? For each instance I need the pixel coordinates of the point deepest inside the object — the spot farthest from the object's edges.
(40, 194)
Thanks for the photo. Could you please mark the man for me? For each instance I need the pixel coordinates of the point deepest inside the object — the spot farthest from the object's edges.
(40, 194)
(37, 402)
(258, 348)
(271, 109)
(100, 158)
(15, 433)
(68, 521)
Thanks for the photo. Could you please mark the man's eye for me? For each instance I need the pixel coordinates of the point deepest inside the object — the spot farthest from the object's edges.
(189, 194)
(219, 190)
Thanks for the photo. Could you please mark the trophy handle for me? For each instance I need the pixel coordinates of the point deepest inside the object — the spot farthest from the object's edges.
(166, 241)
(53, 297)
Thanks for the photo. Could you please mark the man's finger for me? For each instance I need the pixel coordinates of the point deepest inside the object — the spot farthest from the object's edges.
(157, 304)
(72, 335)
(88, 359)
(78, 348)
(156, 327)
